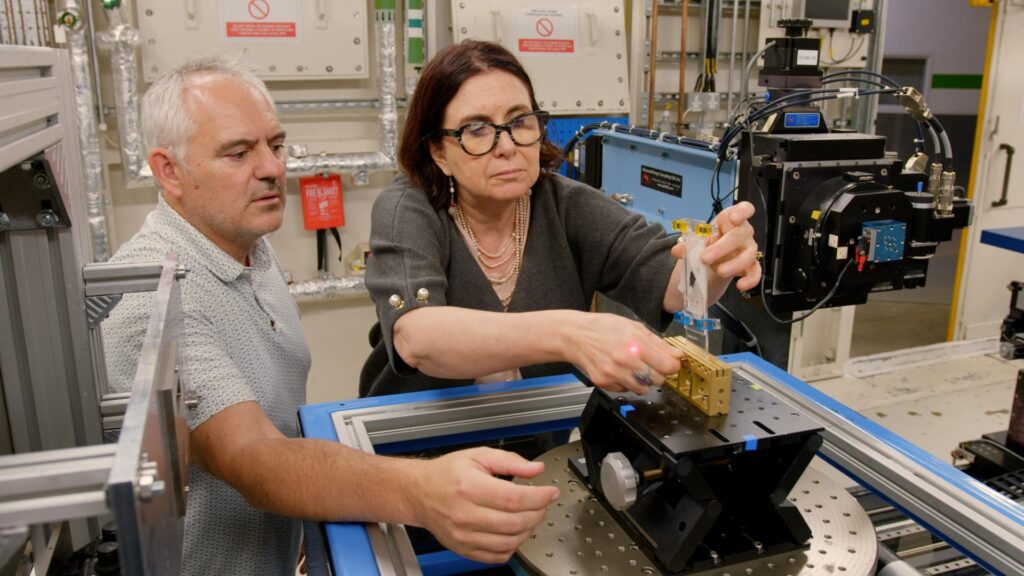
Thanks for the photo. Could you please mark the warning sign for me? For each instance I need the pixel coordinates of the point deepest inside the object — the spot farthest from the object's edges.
(547, 31)
(260, 19)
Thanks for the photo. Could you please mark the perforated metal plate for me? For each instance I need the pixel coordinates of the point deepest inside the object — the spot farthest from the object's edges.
(580, 538)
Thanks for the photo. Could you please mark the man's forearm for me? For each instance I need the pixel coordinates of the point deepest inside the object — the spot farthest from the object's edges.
(302, 478)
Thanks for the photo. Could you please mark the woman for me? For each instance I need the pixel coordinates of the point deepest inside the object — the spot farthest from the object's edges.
(484, 264)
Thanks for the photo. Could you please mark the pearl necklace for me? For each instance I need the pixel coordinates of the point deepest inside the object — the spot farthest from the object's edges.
(516, 241)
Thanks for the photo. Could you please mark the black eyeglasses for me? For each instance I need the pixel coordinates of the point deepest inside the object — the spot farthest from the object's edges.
(479, 138)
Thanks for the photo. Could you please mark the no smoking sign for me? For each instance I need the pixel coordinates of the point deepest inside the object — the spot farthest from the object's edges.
(261, 19)
(545, 27)
(259, 9)
(547, 31)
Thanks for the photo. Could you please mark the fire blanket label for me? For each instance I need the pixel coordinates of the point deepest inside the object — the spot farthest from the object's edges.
(322, 202)
(260, 19)
(662, 181)
(547, 31)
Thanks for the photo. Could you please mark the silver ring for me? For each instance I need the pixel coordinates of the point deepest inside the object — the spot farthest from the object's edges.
(643, 378)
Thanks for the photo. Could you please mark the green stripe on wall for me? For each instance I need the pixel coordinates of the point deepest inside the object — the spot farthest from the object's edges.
(957, 81)
(415, 55)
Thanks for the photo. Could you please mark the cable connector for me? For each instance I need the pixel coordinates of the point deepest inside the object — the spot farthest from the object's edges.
(914, 102)
(848, 92)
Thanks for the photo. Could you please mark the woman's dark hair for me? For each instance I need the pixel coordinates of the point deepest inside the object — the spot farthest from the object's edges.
(437, 85)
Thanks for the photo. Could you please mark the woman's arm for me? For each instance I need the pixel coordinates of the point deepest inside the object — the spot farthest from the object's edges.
(451, 342)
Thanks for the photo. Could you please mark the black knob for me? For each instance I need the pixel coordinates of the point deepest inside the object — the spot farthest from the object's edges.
(109, 532)
(107, 561)
(795, 27)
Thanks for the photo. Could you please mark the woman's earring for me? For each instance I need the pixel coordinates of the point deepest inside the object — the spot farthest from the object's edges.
(451, 192)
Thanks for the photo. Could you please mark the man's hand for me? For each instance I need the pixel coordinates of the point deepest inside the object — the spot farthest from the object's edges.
(475, 514)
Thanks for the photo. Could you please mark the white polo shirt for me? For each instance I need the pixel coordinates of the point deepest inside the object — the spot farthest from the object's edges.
(243, 342)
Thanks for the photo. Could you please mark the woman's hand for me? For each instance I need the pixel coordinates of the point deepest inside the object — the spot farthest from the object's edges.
(731, 252)
(618, 354)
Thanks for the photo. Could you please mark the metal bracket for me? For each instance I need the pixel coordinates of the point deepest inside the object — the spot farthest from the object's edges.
(106, 282)
(97, 308)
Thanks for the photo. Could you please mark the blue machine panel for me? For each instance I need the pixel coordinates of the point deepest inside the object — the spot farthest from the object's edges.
(666, 181)
(886, 240)
(562, 129)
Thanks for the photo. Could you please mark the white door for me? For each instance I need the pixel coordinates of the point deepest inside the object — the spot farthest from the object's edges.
(983, 300)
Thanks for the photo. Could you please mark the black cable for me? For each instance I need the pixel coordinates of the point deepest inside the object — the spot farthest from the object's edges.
(769, 110)
(802, 94)
(337, 238)
(919, 142)
(321, 250)
(579, 134)
(817, 306)
(706, 80)
(947, 154)
(738, 327)
(869, 81)
(764, 276)
(795, 99)
(919, 126)
(864, 72)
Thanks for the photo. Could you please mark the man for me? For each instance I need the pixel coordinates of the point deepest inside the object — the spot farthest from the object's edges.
(216, 149)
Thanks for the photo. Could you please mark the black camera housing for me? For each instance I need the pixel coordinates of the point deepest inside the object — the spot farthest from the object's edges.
(840, 218)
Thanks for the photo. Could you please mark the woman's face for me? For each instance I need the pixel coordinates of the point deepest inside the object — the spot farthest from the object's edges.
(506, 172)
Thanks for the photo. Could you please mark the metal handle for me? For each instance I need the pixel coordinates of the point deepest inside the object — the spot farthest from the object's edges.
(591, 28)
(321, 13)
(190, 14)
(496, 24)
(1006, 175)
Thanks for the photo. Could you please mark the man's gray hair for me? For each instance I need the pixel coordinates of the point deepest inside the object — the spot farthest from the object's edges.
(166, 122)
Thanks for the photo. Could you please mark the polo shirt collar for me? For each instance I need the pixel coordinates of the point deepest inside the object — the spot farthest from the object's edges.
(219, 262)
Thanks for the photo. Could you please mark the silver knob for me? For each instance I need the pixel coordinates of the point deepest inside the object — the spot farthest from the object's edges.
(618, 480)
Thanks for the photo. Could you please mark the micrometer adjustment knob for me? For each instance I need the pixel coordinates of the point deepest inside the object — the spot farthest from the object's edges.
(618, 480)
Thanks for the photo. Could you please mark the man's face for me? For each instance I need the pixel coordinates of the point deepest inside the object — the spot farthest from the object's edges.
(232, 184)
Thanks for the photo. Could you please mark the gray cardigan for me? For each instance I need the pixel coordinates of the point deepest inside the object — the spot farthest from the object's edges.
(579, 242)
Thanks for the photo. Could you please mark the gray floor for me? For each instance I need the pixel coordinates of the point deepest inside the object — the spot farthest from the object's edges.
(887, 326)
(938, 405)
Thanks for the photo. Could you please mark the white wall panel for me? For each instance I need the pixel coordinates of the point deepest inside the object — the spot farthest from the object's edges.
(575, 52)
(285, 39)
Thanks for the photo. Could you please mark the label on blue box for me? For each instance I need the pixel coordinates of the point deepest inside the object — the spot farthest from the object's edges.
(662, 181)
(802, 120)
